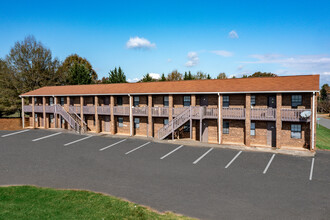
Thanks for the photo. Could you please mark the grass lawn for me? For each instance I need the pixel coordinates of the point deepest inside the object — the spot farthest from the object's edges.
(322, 137)
(29, 202)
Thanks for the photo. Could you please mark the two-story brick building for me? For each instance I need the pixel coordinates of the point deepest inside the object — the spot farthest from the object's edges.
(271, 111)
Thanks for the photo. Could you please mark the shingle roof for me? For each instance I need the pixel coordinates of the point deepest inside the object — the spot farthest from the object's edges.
(243, 85)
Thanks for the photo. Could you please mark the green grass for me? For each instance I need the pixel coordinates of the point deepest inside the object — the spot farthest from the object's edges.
(29, 202)
(322, 137)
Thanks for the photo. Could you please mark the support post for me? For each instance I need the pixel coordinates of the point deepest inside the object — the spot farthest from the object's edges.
(200, 124)
(81, 111)
(190, 122)
(23, 114)
(33, 114)
(170, 112)
(112, 116)
(247, 119)
(97, 123)
(44, 111)
(278, 120)
(130, 115)
(67, 108)
(220, 118)
(55, 114)
(313, 124)
(150, 131)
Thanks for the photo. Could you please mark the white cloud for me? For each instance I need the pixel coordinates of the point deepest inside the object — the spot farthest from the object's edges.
(240, 67)
(133, 80)
(139, 43)
(193, 59)
(326, 73)
(154, 75)
(169, 60)
(223, 53)
(233, 34)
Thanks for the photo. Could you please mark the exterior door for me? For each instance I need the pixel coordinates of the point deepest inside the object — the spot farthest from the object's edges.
(107, 124)
(271, 134)
(271, 102)
(204, 100)
(205, 135)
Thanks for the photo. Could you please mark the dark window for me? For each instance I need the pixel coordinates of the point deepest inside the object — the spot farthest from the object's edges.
(51, 101)
(296, 131)
(186, 127)
(35, 101)
(119, 100)
(253, 129)
(166, 102)
(186, 100)
(62, 101)
(71, 101)
(120, 122)
(296, 100)
(225, 102)
(165, 121)
(225, 127)
(94, 120)
(136, 122)
(136, 101)
(51, 117)
(253, 100)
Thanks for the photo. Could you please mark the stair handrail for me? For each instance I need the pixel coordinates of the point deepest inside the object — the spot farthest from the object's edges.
(73, 123)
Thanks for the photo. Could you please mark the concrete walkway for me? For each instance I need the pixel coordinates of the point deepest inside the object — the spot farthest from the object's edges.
(324, 122)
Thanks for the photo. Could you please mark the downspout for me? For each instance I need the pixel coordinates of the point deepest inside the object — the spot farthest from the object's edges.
(219, 119)
(313, 119)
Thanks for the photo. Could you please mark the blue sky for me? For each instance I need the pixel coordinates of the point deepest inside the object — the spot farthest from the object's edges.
(235, 37)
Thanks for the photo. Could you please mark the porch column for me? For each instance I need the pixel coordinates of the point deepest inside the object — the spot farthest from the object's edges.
(82, 110)
(170, 111)
(112, 115)
(55, 115)
(313, 123)
(67, 109)
(150, 131)
(33, 114)
(130, 115)
(23, 114)
(247, 119)
(97, 123)
(278, 119)
(200, 124)
(220, 118)
(192, 131)
(44, 111)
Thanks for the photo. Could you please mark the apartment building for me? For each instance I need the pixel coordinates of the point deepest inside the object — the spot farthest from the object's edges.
(262, 112)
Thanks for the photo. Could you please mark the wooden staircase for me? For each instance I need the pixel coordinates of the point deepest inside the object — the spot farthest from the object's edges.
(74, 121)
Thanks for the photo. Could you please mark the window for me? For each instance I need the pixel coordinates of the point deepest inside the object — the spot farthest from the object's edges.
(119, 100)
(51, 117)
(253, 100)
(94, 120)
(296, 131)
(136, 101)
(36, 117)
(62, 101)
(296, 100)
(253, 129)
(165, 121)
(71, 101)
(186, 100)
(186, 127)
(120, 122)
(51, 101)
(136, 122)
(225, 127)
(166, 102)
(225, 102)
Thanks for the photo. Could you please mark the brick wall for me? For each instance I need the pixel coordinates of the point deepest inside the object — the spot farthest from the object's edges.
(306, 100)
(236, 132)
(13, 123)
(261, 100)
(125, 129)
(287, 141)
(158, 101)
(236, 101)
(158, 123)
(177, 101)
(212, 130)
(260, 138)
(142, 130)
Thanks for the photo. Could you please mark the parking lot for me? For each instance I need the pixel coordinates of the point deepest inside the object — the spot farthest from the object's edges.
(202, 182)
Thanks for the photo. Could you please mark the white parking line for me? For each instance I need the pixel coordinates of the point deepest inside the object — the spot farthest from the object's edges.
(51, 135)
(137, 148)
(18, 132)
(196, 161)
(113, 144)
(233, 159)
(312, 167)
(270, 161)
(78, 140)
(171, 152)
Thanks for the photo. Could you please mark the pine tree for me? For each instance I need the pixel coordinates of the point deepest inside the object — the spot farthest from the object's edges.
(162, 78)
(117, 76)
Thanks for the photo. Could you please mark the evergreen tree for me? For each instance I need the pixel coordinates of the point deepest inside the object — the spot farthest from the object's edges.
(263, 74)
(185, 76)
(117, 76)
(162, 78)
(190, 76)
(208, 76)
(147, 78)
(79, 74)
(324, 91)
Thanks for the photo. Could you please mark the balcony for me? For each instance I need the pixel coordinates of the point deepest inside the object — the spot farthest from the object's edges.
(294, 115)
(121, 110)
(233, 113)
(265, 114)
(27, 108)
(89, 110)
(103, 110)
(74, 109)
(50, 108)
(160, 111)
(140, 111)
(38, 109)
(178, 111)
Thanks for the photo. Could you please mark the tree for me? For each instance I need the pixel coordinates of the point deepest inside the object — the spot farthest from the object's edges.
(147, 78)
(262, 74)
(200, 75)
(174, 76)
(324, 91)
(28, 66)
(245, 76)
(190, 76)
(208, 76)
(76, 59)
(162, 78)
(222, 76)
(79, 74)
(185, 76)
(117, 76)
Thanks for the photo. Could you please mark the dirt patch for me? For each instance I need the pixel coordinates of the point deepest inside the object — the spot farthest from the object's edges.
(12, 123)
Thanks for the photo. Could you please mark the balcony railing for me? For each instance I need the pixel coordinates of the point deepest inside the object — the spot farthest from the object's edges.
(140, 111)
(121, 110)
(160, 111)
(38, 108)
(267, 114)
(293, 115)
(103, 110)
(27, 108)
(50, 108)
(74, 109)
(210, 112)
(233, 113)
(89, 109)
(178, 111)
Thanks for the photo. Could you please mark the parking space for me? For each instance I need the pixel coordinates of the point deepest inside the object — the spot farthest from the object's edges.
(150, 172)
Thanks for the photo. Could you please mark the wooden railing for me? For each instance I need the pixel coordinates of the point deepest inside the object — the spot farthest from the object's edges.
(89, 109)
(178, 111)
(293, 115)
(140, 111)
(27, 108)
(268, 114)
(210, 113)
(75, 109)
(50, 108)
(160, 111)
(233, 113)
(38, 108)
(121, 110)
(103, 110)
(195, 112)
